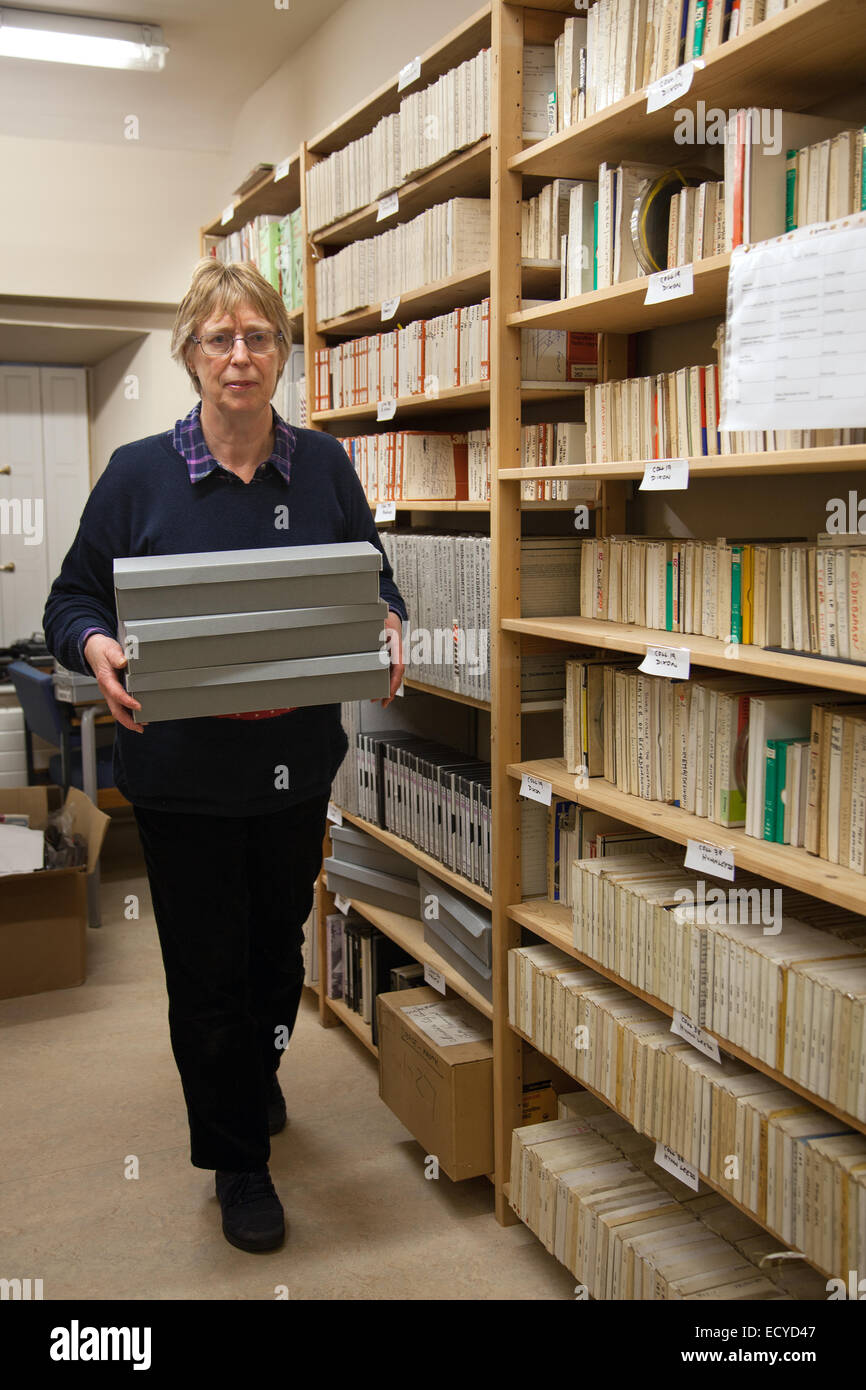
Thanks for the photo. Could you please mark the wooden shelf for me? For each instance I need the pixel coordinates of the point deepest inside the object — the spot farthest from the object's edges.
(465, 174)
(554, 923)
(409, 933)
(841, 458)
(354, 1023)
(812, 50)
(270, 195)
(425, 861)
(446, 694)
(466, 288)
(621, 308)
(475, 396)
(723, 1192)
(704, 651)
(783, 863)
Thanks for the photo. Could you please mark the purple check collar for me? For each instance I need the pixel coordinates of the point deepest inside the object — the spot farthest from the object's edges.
(189, 442)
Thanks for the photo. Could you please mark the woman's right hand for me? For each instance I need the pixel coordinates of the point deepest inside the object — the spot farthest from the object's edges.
(105, 656)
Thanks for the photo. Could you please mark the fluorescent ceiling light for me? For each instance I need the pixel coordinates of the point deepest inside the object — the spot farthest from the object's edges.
(94, 43)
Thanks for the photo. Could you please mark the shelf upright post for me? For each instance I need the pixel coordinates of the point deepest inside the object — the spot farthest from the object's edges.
(506, 188)
(312, 338)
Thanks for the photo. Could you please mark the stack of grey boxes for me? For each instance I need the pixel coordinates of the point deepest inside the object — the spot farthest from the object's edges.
(235, 631)
(362, 868)
(460, 931)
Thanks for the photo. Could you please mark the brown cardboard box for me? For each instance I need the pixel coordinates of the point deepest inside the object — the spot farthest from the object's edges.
(43, 915)
(443, 1095)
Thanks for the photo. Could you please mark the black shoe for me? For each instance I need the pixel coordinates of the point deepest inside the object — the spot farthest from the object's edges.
(276, 1108)
(253, 1217)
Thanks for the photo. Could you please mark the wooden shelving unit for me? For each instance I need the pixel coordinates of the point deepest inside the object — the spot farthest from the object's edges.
(843, 458)
(424, 861)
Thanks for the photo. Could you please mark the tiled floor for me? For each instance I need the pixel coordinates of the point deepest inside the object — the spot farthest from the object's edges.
(88, 1082)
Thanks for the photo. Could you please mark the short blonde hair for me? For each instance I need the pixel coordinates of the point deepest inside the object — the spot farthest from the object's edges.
(218, 287)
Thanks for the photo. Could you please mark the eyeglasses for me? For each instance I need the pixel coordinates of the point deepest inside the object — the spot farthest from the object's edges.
(262, 342)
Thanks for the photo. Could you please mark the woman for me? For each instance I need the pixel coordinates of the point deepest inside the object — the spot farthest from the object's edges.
(231, 852)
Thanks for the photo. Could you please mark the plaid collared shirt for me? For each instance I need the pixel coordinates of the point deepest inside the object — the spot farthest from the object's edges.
(189, 441)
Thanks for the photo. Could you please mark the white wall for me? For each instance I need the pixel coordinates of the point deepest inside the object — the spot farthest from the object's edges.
(118, 415)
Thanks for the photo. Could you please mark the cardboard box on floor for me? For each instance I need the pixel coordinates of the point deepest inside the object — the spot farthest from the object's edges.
(443, 1095)
(43, 915)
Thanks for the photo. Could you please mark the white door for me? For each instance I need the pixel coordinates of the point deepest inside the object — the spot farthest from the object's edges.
(44, 481)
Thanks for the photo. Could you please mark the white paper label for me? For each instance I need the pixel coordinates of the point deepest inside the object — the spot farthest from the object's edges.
(536, 789)
(673, 1163)
(434, 978)
(388, 206)
(449, 1024)
(342, 904)
(228, 214)
(390, 307)
(665, 475)
(334, 813)
(684, 1028)
(409, 73)
(670, 284)
(386, 410)
(666, 661)
(672, 86)
(282, 169)
(386, 511)
(710, 859)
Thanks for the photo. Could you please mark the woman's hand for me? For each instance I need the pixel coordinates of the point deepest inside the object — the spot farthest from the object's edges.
(394, 641)
(104, 656)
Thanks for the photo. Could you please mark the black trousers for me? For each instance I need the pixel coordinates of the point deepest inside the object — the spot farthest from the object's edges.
(230, 896)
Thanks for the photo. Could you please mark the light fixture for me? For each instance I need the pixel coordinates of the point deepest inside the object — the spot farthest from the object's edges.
(93, 43)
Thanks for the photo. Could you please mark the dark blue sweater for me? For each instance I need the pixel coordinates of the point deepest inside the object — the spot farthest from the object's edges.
(145, 504)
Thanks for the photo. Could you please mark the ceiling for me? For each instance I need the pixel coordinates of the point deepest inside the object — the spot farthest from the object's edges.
(221, 52)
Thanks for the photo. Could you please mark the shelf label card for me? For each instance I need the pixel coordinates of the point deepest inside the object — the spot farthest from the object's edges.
(670, 284)
(665, 475)
(435, 978)
(228, 214)
(390, 307)
(386, 511)
(710, 859)
(666, 661)
(282, 169)
(408, 74)
(684, 1028)
(386, 410)
(334, 813)
(536, 788)
(388, 206)
(671, 86)
(342, 904)
(673, 1163)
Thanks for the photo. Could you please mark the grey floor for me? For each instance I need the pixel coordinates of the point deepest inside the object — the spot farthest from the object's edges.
(88, 1085)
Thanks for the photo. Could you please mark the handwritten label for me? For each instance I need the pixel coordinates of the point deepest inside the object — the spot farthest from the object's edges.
(710, 859)
(670, 284)
(282, 169)
(684, 1028)
(388, 206)
(672, 86)
(536, 789)
(342, 904)
(675, 1164)
(334, 813)
(431, 387)
(386, 511)
(408, 74)
(228, 214)
(665, 475)
(435, 978)
(386, 410)
(390, 307)
(666, 661)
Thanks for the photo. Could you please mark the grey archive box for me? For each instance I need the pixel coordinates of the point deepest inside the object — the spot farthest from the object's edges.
(465, 920)
(456, 953)
(351, 847)
(259, 685)
(176, 644)
(246, 581)
(372, 886)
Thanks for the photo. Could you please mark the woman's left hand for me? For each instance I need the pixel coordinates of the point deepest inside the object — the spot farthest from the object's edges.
(394, 640)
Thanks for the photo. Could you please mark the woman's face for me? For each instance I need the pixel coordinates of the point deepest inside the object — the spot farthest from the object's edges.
(242, 382)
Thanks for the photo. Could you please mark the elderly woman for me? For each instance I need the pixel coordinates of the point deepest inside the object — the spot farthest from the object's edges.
(231, 854)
